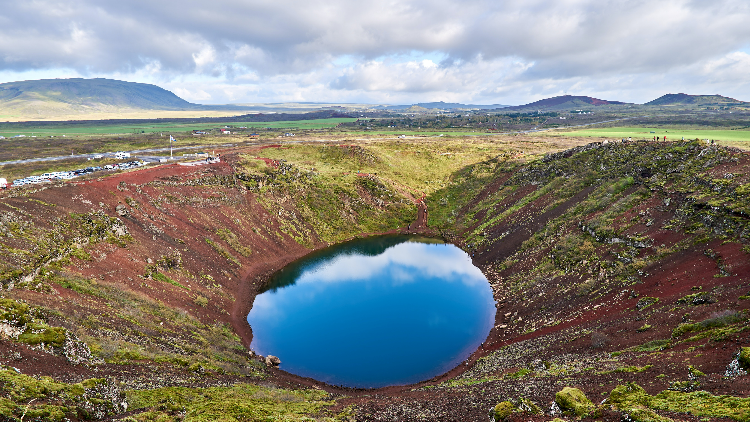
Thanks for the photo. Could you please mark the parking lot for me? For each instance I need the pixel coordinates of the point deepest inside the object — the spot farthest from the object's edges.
(67, 175)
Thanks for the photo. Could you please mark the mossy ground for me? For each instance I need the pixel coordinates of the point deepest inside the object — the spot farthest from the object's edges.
(241, 402)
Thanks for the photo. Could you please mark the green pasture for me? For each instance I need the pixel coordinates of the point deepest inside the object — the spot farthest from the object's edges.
(723, 136)
(416, 132)
(104, 128)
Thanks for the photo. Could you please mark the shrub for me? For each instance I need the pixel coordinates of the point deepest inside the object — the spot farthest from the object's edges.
(653, 346)
(599, 340)
(501, 411)
(201, 301)
(716, 320)
(645, 302)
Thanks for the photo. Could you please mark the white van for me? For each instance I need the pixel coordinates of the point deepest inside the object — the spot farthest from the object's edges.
(3, 183)
(122, 155)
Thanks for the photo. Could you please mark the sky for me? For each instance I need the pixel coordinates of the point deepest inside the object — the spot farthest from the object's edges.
(386, 51)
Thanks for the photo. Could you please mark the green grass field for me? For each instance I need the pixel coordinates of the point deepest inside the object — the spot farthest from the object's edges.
(417, 132)
(87, 128)
(736, 137)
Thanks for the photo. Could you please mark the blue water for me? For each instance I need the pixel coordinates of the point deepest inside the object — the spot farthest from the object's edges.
(374, 312)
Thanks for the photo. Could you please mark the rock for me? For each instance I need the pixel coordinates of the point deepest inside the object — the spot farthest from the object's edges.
(121, 210)
(737, 367)
(272, 360)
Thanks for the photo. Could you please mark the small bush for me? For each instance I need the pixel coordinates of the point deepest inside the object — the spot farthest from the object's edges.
(643, 328)
(716, 320)
(501, 411)
(599, 340)
(201, 301)
(518, 374)
(645, 302)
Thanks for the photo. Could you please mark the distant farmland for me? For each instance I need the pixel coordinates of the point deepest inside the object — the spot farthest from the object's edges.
(120, 128)
(736, 137)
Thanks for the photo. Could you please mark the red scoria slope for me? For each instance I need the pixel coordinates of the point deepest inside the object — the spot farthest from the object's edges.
(606, 265)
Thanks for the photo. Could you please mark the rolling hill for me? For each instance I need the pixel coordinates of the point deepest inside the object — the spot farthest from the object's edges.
(86, 95)
(76, 98)
(694, 100)
(440, 105)
(565, 102)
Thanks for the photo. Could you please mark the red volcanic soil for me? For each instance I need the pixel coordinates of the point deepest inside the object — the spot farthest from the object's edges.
(188, 210)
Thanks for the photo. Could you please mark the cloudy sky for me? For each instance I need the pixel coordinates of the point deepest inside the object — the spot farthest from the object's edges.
(386, 51)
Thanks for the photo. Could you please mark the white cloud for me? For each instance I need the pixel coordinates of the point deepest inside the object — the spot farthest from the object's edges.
(510, 51)
(433, 261)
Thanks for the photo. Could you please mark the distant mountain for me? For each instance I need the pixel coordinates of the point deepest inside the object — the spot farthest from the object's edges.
(567, 101)
(440, 105)
(79, 94)
(699, 100)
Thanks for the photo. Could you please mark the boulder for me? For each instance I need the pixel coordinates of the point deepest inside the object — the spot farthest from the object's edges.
(573, 401)
(272, 360)
(121, 210)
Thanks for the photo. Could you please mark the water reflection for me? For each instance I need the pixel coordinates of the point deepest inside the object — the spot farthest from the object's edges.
(343, 315)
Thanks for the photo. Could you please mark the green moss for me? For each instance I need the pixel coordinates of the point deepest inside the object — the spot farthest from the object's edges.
(633, 400)
(573, 401)
(501, 411)
(697, 299)
(14, 312)
(646, 302)
(39, 333)
(201, 301)
(744, 357)
(695, 372)
(644, 327)
(528, 406)
(241, 402)
(164, 279)
(44, 399)
(721, 320)
(518, 374)
(223, 252)
(652, 346)
(630, 369)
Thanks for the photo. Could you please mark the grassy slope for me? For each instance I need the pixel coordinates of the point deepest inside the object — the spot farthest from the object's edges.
(660, 202)
(735, 137)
